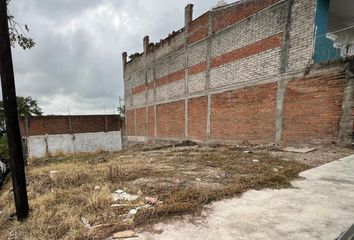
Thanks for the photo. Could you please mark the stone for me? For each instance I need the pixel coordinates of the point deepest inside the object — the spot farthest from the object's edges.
(96, 188)
(275, 169)
(255, 160)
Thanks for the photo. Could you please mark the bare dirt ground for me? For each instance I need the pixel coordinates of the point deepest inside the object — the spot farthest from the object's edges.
(75, 201)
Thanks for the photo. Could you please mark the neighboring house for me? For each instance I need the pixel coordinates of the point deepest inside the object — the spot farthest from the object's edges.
(263, 71)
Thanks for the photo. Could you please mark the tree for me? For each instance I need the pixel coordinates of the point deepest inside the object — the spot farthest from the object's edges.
(26, 107)
(18, 32)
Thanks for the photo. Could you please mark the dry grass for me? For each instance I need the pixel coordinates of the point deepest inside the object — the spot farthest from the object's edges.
(183, 179)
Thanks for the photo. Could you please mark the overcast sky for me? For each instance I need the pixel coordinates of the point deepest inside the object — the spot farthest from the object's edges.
(76, 64)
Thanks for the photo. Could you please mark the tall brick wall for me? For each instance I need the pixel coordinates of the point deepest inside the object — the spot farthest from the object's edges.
(313, 107)
(235, 74)
(53, 125)
(166, 128)
(197, 118)
(244, 115)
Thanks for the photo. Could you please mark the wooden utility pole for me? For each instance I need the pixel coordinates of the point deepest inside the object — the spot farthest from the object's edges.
(11, 117)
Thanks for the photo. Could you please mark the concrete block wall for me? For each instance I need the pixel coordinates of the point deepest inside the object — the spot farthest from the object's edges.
(224, 77)
(50, 135)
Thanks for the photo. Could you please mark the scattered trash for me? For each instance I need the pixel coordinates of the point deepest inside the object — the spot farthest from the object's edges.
(247, 151)
(198, 179)
(96, 188)
(298, 150)
(122, 205)
(121, 195)
(256, 160)
(133, 211)
(12, 217)
(86, 223)
(124, 234)
(53, 174)
(275, 169)
(151, 201)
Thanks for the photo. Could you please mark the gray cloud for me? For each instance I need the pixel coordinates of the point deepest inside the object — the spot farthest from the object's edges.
(76, 64)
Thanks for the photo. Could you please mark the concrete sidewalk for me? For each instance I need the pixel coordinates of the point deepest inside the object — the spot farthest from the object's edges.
(321, 206)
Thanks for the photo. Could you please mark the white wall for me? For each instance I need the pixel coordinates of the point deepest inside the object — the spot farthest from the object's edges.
(40, 146)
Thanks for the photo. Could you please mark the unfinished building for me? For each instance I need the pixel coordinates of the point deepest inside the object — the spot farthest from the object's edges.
(262, 71)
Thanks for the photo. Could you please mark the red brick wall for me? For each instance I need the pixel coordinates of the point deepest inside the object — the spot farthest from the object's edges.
(151, 119)
(198, 29)
(170, 120)
(224, 18)
(245, 114)
(141, 125)
(197, 118)
(312, 108)
(60, 124)
(130, 122)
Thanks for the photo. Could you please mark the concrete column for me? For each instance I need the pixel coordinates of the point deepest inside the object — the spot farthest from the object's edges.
(286, 38)
(188, 14)
(70, 124)
(282, 83)
(209, 40)
(188, 19)
(146, 48)
(135, 131)
(208, 128)
(346, 123)
(105, 123)
(284, 57)
(124, 60)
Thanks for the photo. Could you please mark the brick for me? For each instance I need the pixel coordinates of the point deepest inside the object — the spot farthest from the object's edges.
(312, 109)
(244, 115)
(170, 120)
(197, 118)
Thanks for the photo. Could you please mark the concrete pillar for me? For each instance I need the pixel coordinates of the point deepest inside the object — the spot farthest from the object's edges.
(279, 109)
(124, 60)
(284, 58)
(346, 123)
(146, 49)
(70, 125)
(286, 38)
(188, 14)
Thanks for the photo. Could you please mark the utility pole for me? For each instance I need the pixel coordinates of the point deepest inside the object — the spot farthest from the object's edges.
(11, 117)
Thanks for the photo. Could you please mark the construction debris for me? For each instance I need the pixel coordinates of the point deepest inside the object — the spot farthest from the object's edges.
(53, 174)
(124, 234)
(298, 150)
(150, 200)
(121, 195)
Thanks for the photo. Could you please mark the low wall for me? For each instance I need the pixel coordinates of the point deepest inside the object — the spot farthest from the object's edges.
(51, 135)
(44, 145)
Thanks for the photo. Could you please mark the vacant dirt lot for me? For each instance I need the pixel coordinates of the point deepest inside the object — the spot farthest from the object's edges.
(75, 201)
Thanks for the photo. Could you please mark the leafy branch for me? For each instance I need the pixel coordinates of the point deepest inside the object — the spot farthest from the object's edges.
(18, 33)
